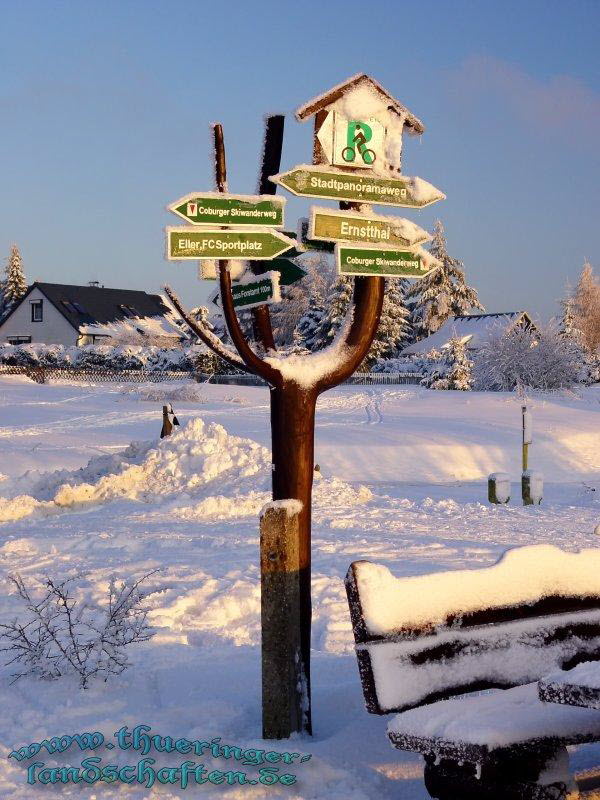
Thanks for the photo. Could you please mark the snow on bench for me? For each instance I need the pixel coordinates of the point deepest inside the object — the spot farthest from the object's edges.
(471, 729)
(428, 638)
(577, 687)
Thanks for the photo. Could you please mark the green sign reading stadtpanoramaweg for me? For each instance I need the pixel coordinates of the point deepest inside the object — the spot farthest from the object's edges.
(386, 263)
(310, 181)
(257, 245)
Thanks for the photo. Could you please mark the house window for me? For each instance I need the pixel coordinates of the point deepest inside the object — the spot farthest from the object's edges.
(37, 310)
(19, 339)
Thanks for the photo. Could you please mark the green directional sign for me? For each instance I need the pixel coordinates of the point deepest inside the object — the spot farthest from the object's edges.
(253, 293)
(256, 245)
(230, 209)
(386, 263)
(332, 184)
(289, 272)
(344, 226)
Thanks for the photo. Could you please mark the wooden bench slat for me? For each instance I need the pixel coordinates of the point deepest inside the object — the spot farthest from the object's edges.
(484, 727)
(577, 687)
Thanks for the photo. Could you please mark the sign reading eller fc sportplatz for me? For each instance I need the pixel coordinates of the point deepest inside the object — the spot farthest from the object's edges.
(191, 244)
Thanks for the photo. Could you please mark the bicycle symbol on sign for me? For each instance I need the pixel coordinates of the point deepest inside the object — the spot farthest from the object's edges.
(357, 137)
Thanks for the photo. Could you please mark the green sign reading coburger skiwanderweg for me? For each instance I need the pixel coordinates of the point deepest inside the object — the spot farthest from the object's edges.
(387, 263)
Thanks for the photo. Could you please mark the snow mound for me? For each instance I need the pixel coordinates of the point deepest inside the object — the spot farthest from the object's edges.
(190, 460)
(199, 471)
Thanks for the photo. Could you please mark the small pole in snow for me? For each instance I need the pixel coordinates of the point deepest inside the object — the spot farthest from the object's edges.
(169, 419)
(526, 436)
(532, 485)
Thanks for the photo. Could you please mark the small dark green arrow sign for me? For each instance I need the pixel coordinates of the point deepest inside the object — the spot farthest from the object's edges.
(189, 243)
(230, 209)
(254, 293)
(386, 263)
(332, 184)
(289, 272)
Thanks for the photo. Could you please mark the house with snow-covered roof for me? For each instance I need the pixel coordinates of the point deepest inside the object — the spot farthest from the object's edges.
(472, 329)
(57, 313)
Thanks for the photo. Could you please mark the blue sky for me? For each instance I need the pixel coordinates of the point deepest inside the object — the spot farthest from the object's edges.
(105, 110)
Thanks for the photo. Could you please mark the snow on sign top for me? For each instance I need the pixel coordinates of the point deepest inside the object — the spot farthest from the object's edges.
(358, 125)
(522, 575)
(359, 95)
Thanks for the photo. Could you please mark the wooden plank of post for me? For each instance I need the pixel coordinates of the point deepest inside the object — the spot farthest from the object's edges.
(283, 684)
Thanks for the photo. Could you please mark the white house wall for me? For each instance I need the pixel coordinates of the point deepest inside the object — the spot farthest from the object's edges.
(54, 329)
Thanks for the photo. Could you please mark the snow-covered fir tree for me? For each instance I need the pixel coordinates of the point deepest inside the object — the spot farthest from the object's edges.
(586, 308)
(589, 362)
(460, 374)
(393, 332)
(443, 293)
(14, 285)
(568, 322)
(337, 301)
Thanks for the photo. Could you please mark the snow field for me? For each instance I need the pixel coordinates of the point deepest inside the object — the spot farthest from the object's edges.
(190, 506)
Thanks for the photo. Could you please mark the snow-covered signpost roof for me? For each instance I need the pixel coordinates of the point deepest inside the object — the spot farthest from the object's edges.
(359, 81)
(360, 98)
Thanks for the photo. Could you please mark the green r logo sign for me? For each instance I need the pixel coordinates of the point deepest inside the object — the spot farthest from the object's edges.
(357, 135)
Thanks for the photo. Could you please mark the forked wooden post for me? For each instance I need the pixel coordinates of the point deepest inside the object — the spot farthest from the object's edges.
(284, 708)
(293, 403)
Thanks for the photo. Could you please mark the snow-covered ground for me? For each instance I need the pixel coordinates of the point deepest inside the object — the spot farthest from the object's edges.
(406, 489)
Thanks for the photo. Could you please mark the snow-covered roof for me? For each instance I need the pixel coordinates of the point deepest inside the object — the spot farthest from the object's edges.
(363, 80)
(473, 329)
(155, 326)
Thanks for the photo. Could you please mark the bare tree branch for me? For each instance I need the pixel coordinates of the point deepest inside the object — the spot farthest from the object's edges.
(205, 335)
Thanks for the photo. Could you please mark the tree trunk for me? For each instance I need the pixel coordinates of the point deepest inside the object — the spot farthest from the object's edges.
(292, 432)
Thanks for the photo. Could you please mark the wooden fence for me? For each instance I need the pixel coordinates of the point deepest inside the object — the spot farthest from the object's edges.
(103, 375)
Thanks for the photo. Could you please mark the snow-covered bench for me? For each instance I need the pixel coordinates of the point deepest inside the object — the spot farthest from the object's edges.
(425, 639)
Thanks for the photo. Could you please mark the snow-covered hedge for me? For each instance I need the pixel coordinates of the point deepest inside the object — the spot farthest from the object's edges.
(193, 358)
(403, 365)
(544, 360)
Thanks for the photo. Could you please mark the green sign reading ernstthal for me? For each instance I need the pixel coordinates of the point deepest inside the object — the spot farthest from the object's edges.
(348, 226)
(386, 263)
(188, 243)
(230, 209)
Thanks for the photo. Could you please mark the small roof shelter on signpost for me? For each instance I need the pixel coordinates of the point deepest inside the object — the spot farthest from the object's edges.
(323, 104)
(324, 101)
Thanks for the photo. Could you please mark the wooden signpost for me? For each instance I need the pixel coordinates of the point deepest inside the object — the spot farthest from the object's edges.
(297, 381)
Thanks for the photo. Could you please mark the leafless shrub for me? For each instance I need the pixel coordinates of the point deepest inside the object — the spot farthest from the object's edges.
(61, 635)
